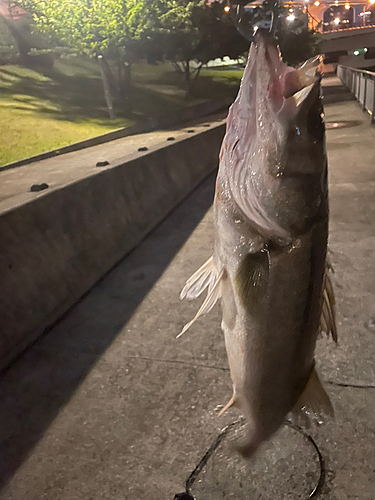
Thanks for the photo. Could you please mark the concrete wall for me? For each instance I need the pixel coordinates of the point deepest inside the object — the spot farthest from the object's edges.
(55, 248)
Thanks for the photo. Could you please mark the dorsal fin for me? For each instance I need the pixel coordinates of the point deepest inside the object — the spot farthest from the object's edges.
(200, 280)
(328, 314)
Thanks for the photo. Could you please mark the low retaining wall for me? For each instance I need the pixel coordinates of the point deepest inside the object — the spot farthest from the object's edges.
(185, 115)
(56, 247)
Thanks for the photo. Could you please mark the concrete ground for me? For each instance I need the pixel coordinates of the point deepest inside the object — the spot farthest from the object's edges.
(108, 405)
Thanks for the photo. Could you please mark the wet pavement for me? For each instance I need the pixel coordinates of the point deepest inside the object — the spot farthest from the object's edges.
(108, 405)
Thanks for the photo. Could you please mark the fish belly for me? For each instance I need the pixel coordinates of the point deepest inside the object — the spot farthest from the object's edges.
(270, 338)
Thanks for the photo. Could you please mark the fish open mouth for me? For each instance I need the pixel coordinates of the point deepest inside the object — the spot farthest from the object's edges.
(285, 83)
(276, 104)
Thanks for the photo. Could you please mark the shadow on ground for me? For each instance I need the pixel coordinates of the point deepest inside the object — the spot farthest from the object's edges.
(37, 385)
(61, 95)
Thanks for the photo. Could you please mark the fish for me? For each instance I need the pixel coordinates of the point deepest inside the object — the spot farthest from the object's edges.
(269, 268)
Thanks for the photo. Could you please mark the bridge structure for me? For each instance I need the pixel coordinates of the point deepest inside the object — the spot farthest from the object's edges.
(101, 401)
(353, 47)
(346, 28)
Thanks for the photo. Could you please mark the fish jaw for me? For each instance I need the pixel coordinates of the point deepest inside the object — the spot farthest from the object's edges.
(274, 144)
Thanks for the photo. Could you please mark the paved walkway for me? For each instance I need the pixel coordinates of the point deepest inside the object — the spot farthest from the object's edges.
(109, 405)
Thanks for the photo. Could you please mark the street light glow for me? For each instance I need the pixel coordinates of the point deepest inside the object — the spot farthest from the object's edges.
(372, 2)
(337, 20)
(347, 6)
(291, 17)
(226, 9)
(317, 3)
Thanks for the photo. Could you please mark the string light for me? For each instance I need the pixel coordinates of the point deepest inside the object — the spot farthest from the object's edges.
(347, 6)
(337, 20)
(226, 9)
(317, 3)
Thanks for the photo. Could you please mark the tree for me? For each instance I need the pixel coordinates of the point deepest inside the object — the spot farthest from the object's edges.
(297, 46)
(195, 31)
(108, 30)
(296, 40)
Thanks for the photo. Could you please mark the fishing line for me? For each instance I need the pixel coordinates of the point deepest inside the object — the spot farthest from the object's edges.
(193, 476)
(187, 494)
(309, 439)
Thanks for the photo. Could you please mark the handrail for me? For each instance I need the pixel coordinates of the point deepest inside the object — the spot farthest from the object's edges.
(352, 28)
(362, 84)
(356, 70)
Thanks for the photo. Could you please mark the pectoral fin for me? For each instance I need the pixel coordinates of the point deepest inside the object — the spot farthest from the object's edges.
(252, 277)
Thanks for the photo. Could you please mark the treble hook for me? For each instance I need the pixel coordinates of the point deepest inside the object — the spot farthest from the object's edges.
(248, 29)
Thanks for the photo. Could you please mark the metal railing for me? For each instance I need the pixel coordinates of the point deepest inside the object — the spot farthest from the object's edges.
(362, 84)
(332, 29)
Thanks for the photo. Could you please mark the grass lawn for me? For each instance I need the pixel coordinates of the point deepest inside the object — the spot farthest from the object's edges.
(46, 109)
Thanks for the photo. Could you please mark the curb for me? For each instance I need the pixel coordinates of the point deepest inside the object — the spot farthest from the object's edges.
(196, 111)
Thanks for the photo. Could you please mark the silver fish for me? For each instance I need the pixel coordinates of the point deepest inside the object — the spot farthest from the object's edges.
(269, 266)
